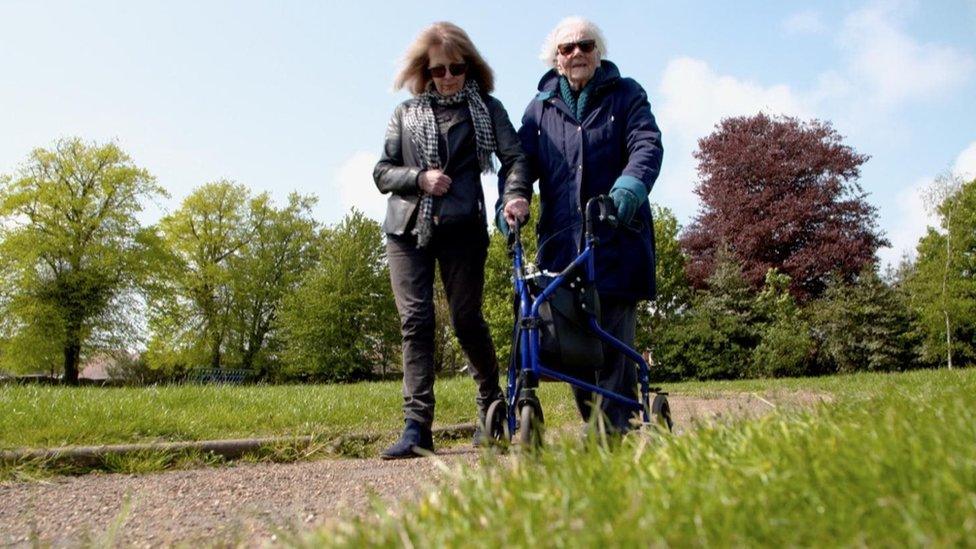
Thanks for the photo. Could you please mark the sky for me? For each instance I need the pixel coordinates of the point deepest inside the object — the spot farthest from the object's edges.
(287, 96)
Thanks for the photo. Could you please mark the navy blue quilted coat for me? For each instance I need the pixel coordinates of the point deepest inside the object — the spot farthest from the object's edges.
(578, 159)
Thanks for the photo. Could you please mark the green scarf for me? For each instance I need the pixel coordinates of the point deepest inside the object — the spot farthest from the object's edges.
(577, 102)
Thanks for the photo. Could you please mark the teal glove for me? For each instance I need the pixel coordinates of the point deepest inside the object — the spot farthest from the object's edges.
(500, 222)
(628, 194)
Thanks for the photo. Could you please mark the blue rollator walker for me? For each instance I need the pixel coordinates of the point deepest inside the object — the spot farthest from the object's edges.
(556, 332)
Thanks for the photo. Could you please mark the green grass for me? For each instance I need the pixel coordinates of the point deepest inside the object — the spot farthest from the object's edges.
(35, 416)
(890, 463)
(44, 416)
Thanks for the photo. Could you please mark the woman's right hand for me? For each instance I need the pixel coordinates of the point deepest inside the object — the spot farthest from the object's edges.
(516, 209)
(434, 182)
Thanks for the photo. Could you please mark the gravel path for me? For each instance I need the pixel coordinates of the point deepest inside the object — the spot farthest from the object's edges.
(252, 504)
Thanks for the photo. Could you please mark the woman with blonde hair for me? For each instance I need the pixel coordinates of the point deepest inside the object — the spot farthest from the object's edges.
(438, 144)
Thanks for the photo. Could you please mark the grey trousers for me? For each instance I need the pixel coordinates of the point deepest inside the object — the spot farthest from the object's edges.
(619, 373)
(460, 251)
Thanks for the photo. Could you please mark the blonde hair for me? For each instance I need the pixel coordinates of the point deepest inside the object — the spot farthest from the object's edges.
(548, 53)
(413, 72)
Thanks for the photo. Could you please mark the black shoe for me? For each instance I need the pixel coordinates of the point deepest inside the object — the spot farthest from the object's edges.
(479, 439)
(417, 440)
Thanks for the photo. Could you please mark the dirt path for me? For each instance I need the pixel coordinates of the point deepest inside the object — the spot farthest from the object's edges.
(253, 503)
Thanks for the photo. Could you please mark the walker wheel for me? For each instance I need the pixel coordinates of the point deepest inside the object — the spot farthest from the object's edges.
(496, 423)
(530, 428)
(661, 411)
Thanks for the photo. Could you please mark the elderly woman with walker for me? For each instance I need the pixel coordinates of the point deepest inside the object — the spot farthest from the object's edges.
(587, 133)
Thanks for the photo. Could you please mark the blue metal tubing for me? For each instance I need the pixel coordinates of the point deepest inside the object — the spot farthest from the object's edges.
(529, 340)
(539, 370)
(584, 385)
(521, 290)
(643, 371)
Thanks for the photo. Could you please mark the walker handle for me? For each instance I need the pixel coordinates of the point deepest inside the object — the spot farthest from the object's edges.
(607, 212)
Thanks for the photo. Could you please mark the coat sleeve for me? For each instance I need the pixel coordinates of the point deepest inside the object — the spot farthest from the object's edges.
(514, 172)
(390, 173)
(528, 136)
(643, 138)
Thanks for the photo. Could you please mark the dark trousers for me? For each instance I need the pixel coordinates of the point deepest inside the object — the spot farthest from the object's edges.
(460, 250)
(619, 373)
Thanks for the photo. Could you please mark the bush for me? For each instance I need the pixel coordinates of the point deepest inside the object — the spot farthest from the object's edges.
(786, 350)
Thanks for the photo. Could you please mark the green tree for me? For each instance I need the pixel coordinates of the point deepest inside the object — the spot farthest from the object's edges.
(715, 337)
(942, 286)
(342, 320)
(283, 247)
(72, 252)
(673, 289)
(192, 302)
(862, 326)
(786, 346)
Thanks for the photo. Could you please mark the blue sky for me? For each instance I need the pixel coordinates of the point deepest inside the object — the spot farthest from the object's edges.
(285, 96)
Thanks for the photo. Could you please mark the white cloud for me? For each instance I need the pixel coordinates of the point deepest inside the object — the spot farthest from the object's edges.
(693, 99)
(804, 22)
(914, 214)
(893, 66)
(489, 182)
(913, 217)
(965, 165)
(354, 183)
(881, 68)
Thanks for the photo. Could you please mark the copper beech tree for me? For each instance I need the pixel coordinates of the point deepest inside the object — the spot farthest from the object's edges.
(781, 193)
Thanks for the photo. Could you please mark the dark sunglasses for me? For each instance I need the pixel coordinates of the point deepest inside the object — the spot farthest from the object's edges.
(585, 46)
(440, 71)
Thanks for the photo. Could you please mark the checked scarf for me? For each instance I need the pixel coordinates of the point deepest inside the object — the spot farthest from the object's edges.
(420, 121)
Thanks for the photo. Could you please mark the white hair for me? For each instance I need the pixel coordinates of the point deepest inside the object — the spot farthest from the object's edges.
(589, 28)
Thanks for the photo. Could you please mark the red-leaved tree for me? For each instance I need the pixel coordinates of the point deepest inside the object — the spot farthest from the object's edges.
(783, 193)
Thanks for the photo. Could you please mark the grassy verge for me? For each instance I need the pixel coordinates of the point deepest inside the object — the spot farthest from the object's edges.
(893, 467)
(36, 416)
(44, 416)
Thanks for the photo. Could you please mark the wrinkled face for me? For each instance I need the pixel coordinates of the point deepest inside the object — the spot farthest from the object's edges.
(578, 66)
(448, 84)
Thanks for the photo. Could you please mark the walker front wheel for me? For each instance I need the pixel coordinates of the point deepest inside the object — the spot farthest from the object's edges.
(530, 428)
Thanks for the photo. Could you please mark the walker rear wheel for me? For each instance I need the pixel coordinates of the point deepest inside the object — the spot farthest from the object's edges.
(496, 423)
(661, 411)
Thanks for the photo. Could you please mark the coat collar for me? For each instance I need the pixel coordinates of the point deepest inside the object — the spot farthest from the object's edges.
(608, 75)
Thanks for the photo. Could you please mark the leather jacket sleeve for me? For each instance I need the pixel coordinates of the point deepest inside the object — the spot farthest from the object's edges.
(390, 173)
(514, 176)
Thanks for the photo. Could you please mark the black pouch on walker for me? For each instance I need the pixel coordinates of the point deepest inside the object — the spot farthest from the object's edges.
(567, 344)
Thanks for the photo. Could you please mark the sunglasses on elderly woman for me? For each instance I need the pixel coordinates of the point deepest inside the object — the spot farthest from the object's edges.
(440, 71)
(585, 46)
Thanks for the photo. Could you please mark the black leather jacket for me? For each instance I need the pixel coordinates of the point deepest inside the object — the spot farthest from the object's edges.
(399, 166)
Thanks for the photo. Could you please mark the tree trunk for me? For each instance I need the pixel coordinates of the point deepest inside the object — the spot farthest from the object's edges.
(215, 353)
(72, 355)
(948, 341)
(945, 289)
